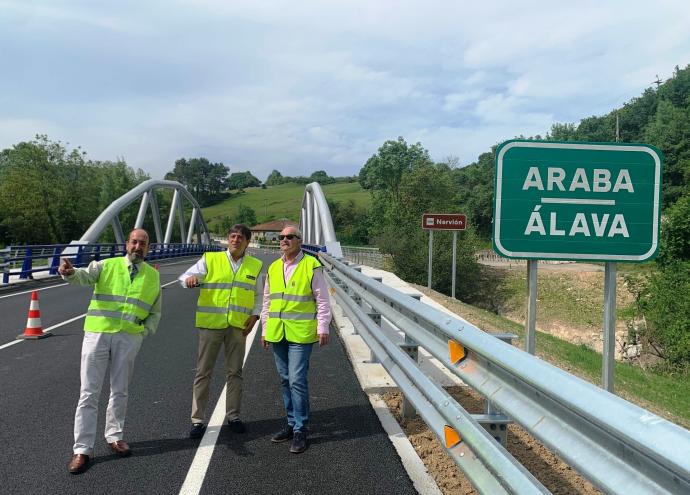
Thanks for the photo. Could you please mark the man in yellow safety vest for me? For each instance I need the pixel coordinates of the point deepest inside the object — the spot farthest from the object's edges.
(125, 307)
(296, 314)
(226, 312)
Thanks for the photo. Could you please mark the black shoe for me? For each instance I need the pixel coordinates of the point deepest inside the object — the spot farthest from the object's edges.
(236, 426)
(283, 435)
(299, 443)
(197, 430)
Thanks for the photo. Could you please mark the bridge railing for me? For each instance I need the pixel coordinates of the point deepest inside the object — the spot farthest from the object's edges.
(618, 446)
(369, 256)
(25, 261)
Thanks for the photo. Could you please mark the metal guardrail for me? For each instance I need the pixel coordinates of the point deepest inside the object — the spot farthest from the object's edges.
(19, 260)
(618, 446)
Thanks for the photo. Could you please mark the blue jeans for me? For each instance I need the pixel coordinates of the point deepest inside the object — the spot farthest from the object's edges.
(292, 362)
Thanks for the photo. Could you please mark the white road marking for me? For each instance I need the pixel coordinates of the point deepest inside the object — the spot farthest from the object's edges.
(47, 330)
(202, 459)
(30, 291)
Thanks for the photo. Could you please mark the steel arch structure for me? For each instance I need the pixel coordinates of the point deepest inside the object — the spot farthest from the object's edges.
(146, 191)
(316, 223)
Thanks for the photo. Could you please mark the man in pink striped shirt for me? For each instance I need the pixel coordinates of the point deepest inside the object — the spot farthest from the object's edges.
(295, 315)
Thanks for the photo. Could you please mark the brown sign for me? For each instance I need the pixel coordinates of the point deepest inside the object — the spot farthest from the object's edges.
(444, 221)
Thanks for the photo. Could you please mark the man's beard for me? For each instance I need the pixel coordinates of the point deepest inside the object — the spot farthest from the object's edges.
(135, 257)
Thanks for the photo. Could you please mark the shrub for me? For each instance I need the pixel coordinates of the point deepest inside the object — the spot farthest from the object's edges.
(665, 305)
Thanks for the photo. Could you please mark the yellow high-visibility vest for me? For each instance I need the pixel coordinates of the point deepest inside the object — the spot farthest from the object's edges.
(292, 308)
(227, 298)
(119, 304)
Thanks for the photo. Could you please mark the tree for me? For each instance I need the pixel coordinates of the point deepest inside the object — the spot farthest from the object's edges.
(665, 306)
(350, 222)
(241, 180)
(675, 232)
(47, 193)
(275, 178)
(321, 177)
(204, 180)
(246, 215)
(404, 184)
(384, 170)
(670, 131)
(474, 192)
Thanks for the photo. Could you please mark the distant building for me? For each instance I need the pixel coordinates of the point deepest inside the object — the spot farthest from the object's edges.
(269, 231)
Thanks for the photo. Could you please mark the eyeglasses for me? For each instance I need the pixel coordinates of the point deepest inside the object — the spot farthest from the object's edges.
(289, 237)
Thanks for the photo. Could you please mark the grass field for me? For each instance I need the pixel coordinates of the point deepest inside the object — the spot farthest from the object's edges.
(282, 201)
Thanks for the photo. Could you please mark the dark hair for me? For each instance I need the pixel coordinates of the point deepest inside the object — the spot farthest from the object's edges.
(240, 228)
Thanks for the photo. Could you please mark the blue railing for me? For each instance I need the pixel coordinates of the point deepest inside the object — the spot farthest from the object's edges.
(82, 255)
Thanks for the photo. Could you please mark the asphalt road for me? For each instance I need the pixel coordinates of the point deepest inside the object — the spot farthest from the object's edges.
(39, 388)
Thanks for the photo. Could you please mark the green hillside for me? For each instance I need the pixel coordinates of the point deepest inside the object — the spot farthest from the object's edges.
(281, 201)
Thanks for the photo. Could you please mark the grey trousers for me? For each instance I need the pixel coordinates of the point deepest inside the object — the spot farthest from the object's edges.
(210, 342)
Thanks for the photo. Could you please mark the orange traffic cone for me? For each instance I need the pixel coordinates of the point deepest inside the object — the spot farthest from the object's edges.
(34, 329)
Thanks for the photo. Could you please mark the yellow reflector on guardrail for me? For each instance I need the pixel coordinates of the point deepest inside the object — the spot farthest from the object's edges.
(452, 438)
(456, 351)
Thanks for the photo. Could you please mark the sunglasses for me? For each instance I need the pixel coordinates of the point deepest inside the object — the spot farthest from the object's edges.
(289, 237)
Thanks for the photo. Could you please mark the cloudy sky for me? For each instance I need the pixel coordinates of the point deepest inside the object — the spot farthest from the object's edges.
(300, 86)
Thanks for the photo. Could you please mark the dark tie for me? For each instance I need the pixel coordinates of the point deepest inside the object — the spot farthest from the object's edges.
(132, 271)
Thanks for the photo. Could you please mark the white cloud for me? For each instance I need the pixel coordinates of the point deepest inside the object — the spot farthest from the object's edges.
(301, 86)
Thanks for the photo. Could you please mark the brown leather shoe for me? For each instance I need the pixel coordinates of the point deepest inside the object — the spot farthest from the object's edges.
(78, 463)
(120, 448)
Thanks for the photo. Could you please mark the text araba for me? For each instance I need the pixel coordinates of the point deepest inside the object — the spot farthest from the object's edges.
(600, 180)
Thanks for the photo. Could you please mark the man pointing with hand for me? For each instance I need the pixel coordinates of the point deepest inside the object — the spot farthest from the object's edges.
(125, 307)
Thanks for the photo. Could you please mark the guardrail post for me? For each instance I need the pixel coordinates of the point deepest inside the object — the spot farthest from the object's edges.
(55, 261)
(77, 258)
(409, 340)
(493, 420)
(376, 317)
(26, 265)
(5, 266)
(412, 350)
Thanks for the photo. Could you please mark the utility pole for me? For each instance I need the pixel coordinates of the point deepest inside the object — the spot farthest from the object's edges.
(657, 82)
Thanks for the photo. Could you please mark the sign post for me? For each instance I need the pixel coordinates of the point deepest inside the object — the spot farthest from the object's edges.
(443, 221)
(431, 253)
(580, 202)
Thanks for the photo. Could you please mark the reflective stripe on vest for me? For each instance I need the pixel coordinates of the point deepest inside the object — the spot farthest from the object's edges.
(120, 304)
(227, 298)
(292, 307)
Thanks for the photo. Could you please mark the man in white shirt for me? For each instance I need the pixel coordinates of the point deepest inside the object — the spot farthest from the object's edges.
(227, 310)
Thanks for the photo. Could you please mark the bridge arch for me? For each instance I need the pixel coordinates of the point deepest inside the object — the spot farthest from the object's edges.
(146, 193)
(316, 223)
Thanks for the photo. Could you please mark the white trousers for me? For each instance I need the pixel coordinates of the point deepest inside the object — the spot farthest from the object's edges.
(97, 351)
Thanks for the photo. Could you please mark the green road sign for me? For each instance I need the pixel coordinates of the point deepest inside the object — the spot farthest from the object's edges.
(577, 201)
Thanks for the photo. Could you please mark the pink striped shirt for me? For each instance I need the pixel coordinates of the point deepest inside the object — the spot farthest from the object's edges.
(318, 287)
